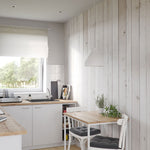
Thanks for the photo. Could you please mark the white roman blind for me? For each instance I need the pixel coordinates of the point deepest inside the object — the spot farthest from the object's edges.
(23, 42)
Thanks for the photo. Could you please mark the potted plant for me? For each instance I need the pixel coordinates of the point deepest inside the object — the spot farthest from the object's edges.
(100, 103)
(112, 111)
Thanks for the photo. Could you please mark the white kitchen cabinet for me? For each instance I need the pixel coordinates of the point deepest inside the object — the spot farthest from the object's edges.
(47, 124)
(13, 142)
(42, 122)
(23, 115)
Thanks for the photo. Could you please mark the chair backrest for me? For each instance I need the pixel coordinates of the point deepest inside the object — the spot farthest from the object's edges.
(123, 123)
(72, 122)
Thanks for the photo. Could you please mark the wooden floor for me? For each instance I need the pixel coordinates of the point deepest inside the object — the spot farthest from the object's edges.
(73, 147)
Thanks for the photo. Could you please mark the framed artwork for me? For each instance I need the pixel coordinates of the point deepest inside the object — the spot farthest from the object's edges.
(65, 92)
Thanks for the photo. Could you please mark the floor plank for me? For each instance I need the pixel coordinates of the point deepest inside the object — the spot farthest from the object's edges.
(73, 147)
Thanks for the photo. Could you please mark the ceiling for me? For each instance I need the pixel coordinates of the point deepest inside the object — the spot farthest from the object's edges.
(43, 10)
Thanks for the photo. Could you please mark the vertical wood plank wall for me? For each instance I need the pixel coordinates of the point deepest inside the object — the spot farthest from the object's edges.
(121, 29)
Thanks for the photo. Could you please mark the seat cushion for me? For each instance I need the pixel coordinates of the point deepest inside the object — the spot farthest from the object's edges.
(105, 142)
(82, 131)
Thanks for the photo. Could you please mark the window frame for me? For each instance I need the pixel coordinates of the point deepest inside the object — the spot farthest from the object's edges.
(32, 90)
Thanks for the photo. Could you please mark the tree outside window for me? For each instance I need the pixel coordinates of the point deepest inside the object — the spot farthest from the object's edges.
(19, 72)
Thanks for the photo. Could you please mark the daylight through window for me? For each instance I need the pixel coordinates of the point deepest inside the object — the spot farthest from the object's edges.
(21, 73)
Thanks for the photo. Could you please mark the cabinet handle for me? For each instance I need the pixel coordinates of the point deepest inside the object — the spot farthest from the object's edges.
(38, 107)
(25, 108)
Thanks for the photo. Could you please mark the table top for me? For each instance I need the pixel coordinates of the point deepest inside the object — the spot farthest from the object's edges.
(91, 117)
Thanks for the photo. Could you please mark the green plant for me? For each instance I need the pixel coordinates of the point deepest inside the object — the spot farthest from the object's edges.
(100, 101)
(111, 111)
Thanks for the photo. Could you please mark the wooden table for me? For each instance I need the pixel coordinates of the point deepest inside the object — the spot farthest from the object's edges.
(89, 118)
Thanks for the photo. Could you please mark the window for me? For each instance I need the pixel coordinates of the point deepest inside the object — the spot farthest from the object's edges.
(21, 73)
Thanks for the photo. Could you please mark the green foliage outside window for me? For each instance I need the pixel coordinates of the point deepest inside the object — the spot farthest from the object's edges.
(22, 75)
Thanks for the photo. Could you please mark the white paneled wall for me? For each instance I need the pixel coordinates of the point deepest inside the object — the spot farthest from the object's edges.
(120, 28)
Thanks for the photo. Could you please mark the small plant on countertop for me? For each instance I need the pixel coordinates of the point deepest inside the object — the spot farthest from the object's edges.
(111, 111)
(100, 101)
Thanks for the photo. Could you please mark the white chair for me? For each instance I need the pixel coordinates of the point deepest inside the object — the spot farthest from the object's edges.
(78, 129)
(108, 143)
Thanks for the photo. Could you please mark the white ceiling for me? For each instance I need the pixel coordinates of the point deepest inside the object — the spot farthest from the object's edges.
(44, 10)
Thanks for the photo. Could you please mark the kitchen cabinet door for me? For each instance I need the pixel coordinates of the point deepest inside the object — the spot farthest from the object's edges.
(47, 124)
(23, 115)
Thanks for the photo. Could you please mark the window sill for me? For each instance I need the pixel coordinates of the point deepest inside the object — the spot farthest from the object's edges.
(25, 94)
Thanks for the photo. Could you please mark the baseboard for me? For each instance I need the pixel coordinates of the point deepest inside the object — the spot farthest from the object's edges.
(45, 146)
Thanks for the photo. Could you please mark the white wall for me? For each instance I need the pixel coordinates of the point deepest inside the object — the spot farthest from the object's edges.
(55, 60)
(121, 28)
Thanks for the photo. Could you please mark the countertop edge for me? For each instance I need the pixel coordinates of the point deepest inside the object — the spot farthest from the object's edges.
(25, 102)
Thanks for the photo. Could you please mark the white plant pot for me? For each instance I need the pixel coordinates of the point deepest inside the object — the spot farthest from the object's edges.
(101, 110)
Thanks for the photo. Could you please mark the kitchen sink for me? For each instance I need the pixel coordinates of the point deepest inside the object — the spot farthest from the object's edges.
(41, 100)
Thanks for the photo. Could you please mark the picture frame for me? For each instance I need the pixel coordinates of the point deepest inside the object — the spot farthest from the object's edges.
(65, 92)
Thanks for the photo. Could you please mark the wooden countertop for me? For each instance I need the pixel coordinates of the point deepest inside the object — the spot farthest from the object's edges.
(10, 126)
(91, 117)
(25, 102)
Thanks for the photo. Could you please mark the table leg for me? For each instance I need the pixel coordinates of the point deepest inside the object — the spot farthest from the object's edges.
(64, 132)
(88, 136)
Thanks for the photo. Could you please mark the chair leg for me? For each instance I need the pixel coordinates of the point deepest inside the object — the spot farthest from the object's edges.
(82, 144)
(69, 142)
